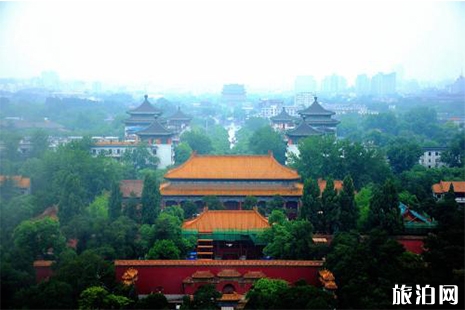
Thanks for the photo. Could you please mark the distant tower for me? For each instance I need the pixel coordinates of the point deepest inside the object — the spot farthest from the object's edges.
(233, 94)
(319, 118)
(140, 118)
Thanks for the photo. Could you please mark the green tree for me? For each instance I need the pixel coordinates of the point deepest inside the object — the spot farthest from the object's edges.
(220, 139)
(51, 294)
(190, 209)
(454, 156)
(311, 209)
(182, 152)
(213, 203)
(86, 270)
(150, 199)
(36, 238)
(290, 240)
(153, 301)
(250, 202)
(71, 202)
(98, 209)
(197, 141)
(120, 235)
(97, 297)
(277, 216)
(140, 158)
(164, 249)
(349, 211)
(205, 297)
(266, 139)
(176, 211)
(403, 154)
(265, 293)
(355, 262)
(331, 208)
(277, 203)
(115, 203)
(39, 141)
(384, 210)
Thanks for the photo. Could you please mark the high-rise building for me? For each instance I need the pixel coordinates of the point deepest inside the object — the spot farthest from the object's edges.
(333, 84)
(362, 85)
(384, 84)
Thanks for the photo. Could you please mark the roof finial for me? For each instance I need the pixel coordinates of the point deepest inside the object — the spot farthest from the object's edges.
(316, 98)
(146, 96)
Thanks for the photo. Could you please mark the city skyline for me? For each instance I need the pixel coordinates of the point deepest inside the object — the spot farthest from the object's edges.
(208, 44)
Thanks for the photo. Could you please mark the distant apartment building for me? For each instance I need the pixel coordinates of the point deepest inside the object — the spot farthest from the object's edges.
(431, 157)
(362, 85)
(233, 94)
(383, 84)
(333, 84)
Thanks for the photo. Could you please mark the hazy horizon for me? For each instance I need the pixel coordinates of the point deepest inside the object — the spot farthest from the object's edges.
(209, 43)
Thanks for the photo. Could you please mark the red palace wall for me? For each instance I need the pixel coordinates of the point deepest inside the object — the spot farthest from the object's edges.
(167, 276)
(412, 244)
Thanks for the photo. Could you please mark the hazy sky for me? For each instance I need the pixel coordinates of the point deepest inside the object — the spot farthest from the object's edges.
(215, 42)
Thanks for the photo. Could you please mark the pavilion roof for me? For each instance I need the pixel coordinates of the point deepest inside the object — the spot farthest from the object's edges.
(145, 108)
(444, 186)
(179, 115)
(315, 109)
(155, 129)
(235, 220)
(232, 167)
(303, 130)
(283, 116)
(230, 189)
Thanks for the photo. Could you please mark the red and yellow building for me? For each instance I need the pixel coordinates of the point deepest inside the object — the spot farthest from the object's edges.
(232, 178)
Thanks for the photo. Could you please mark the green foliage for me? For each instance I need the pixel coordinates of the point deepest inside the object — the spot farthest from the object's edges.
(213, 203)
(164, 249)
(311, 204)
(71, 202)
(278, 217)
(384, 209)
(198, 141)
(349, 211)
(153, 301)
(250, 202)
(403, 154)
(176, 211)
(12, 213)
(265, 293)
(277, 203)
(290, 240)
(266, 139)
(182, 152)
(120, 235)
(454, 156)
(190, 208)
(355, 262)
(39, 141)
(97, 297)
(50, 294)
(324, 156)
(331, 208)
(445, 247)
(140, 158)
(115, 202)
(205, 297)
(362, 200)
(99, 207)
(219, 138)
(150, 199)
(36, 238)
(86, 270)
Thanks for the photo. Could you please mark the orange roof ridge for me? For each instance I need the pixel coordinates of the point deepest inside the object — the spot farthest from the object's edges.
(209, 221)
(246, 167)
